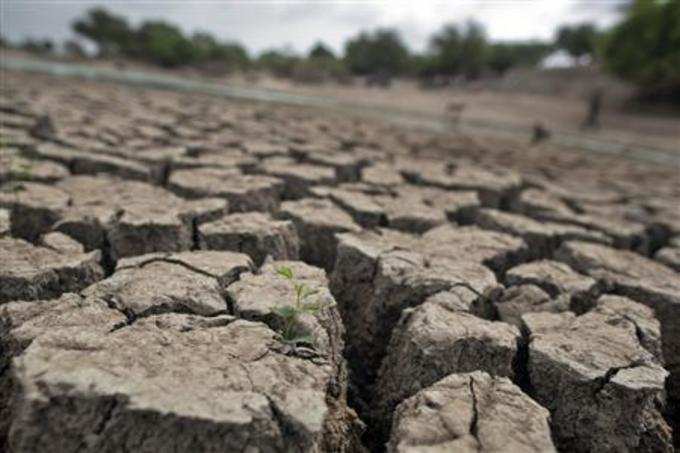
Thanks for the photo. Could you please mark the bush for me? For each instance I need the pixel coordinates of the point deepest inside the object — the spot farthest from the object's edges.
(164, 44)
(578, 40)
(320, 51)
(111, 33)
(319, 70)
(645, 49)
(278, 63)
(309, 72)
(503, 56)
(216, 56)
(159, 42)
(460, 52)
(39, 46)
(379, 52)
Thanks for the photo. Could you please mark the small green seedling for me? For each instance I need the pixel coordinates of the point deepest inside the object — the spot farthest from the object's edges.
(290, 333)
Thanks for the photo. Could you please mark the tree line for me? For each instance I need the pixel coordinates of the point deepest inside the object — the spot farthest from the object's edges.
(643, 48)
(455, 50)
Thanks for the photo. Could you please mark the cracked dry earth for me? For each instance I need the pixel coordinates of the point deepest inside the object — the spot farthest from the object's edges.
(488, 296)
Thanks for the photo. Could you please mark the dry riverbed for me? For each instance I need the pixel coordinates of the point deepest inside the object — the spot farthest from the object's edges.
(467, 294)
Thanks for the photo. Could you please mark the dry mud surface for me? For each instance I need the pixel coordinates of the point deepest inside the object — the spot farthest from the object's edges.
(477, 296)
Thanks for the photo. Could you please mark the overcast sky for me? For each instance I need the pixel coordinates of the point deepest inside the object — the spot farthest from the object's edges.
(299, 24)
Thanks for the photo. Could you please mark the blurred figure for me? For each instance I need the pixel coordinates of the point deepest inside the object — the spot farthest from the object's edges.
(592, 120)
(454, 110)
(540, 133)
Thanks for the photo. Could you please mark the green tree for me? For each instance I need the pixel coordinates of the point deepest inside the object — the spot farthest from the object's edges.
(111, 33)
(423, 65)
(321, 51)
(208, 50)
(578, 40)
(165, 44)
(645, 48)
(474, 50)
(234, 54)
(447, 48)
(320, 66)
(379, 52)
(503, 56)
(158, 42)
(40, 46)
(280, 63)
(205, 46)
(460, 51)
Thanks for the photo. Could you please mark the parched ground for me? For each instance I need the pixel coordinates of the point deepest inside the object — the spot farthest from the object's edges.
(485, 105)
(463, 294)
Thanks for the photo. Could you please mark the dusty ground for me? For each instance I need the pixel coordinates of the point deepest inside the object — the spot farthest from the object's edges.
(462, 294)
(517, 112)
(506, 108)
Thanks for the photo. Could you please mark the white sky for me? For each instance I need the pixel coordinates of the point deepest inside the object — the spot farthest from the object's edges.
(265, 24)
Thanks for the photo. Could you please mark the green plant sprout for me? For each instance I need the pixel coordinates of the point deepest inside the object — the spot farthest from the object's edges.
(291, 334)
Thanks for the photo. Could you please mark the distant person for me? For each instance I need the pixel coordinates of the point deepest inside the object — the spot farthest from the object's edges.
(540, 133)
(454, 111)
(592, 120)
